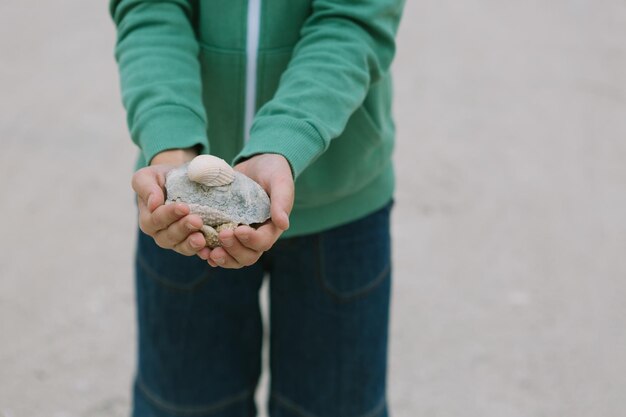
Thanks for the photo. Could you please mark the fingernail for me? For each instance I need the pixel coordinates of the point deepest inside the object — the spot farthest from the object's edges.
(219, 261)
(244, 237)
(191, 227)
(179, 210)
(228, 242)
(195, 244)
(149, 201)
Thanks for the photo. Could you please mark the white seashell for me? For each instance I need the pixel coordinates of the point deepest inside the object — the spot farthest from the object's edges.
(210, 170)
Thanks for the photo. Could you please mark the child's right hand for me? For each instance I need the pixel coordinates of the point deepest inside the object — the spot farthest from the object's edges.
(171, 226)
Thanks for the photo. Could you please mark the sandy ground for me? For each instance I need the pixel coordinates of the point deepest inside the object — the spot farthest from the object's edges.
(509, 228)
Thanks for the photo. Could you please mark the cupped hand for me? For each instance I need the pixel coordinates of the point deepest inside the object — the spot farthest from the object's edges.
(245, 245)
(170, 225)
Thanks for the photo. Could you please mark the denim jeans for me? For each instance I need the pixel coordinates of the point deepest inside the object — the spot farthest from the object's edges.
(200, 329)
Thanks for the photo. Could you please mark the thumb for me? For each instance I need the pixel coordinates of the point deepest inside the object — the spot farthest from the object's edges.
(281, 192)
(146, 183)
(155, 199)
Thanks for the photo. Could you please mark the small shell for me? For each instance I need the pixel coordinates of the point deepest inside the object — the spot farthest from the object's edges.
(226, 226)
(210, 236)
(210, 170)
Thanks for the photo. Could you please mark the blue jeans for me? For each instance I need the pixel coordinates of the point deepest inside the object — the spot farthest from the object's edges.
(200, 329)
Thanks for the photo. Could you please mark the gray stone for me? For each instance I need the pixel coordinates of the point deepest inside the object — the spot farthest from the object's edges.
(241, 202)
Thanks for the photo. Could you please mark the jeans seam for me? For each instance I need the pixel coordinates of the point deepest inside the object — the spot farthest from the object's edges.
(321, 274)
(291, 406)
(156, 401)
(192, 286)
(301, 412)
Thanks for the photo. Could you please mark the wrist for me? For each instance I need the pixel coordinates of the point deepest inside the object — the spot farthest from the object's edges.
(273, 158)
(174, 156)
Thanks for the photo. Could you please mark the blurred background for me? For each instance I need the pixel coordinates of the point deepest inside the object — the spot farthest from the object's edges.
(509, 227)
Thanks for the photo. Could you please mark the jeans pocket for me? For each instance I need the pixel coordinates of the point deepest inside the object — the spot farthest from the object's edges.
(169, 268)
(356, 258)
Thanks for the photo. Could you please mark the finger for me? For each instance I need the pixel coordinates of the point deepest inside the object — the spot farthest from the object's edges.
(211, 262)
(147, 183)
(204, 253)
(231, 245)
(151, 223)
(167, 214)
(281, 201)
(178, 231)
(223, 259)
(261, 239)
(191, 245)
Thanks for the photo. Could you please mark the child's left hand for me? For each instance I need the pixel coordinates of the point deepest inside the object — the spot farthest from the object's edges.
(245, 245)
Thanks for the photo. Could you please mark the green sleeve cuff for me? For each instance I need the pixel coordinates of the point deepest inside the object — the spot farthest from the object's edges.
(169, 127)
(297, 140)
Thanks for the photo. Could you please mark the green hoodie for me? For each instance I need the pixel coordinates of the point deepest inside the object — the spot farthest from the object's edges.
(306, 79)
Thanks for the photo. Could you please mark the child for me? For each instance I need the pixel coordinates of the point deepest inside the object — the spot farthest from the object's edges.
(289, 91)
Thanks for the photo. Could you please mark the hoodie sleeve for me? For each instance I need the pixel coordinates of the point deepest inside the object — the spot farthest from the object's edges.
(345, 46)
(157, 53)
